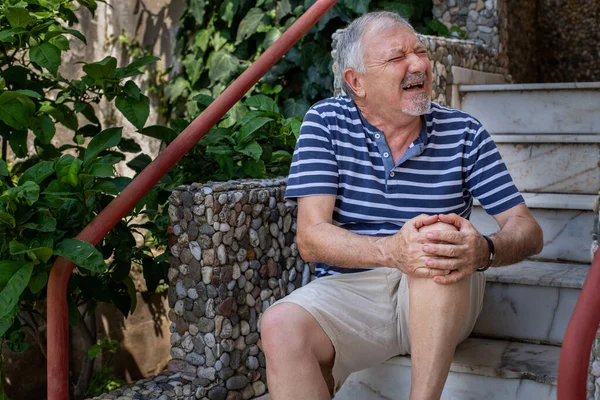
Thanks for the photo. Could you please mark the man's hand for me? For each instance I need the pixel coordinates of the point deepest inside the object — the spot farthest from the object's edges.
(405, 249)
(461, 252)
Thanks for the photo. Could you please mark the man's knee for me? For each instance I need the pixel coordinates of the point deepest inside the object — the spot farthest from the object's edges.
(288, 329)
(282, 328)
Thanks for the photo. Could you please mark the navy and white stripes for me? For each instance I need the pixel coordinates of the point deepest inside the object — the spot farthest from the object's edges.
(454, 159)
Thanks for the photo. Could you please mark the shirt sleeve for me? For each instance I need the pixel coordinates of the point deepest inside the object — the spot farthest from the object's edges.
(314, 169)
(487, 177)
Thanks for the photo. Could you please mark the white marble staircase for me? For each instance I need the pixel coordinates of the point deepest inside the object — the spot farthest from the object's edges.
(549, 137)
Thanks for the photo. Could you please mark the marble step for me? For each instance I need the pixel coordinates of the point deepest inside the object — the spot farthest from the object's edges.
(552, 163)
(566, 219)
(534, 108)
(531, 301)
(481, 369)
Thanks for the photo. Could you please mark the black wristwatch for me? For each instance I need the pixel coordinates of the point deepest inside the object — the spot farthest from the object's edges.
(492, 253)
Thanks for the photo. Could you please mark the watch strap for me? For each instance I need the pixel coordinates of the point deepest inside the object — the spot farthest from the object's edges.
(492, 254)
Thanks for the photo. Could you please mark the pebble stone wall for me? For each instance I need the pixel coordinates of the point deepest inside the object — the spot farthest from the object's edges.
(443, 54)
(233, 254)
(480, 18)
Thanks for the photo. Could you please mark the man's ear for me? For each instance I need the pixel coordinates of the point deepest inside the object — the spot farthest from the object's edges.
(353, 80)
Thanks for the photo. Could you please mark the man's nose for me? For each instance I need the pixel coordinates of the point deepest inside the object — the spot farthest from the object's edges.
(417, 64)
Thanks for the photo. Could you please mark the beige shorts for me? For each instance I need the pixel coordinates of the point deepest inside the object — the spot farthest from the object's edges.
(365, 315)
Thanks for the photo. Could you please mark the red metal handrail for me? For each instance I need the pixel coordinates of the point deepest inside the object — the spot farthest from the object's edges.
(58, 334)
(575, 353)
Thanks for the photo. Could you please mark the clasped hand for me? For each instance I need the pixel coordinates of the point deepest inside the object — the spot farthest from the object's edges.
(447, 255)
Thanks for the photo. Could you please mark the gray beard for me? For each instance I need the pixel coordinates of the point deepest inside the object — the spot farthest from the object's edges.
(418, 106)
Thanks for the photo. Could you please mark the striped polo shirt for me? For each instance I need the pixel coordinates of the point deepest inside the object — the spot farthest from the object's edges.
(453, 159)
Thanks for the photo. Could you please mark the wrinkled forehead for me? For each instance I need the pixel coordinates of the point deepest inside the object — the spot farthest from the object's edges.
(382, 39)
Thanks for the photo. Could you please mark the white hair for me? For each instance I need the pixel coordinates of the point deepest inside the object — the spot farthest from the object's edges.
(350, 52)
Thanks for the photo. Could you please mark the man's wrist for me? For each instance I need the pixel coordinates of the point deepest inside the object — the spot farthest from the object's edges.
(489, 254)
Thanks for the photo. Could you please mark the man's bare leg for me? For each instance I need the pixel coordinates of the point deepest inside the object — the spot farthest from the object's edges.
(298, 352)
(436, 318)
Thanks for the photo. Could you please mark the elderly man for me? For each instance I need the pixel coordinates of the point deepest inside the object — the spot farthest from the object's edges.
(372, 173)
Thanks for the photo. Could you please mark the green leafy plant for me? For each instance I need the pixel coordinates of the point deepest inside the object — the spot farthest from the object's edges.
(50, 191)
(258, 144)
(104, 379)
(219, 40)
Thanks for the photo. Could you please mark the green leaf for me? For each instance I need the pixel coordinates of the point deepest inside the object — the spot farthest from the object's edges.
(281, 156)
(38, 172)
(43, 221)
(358, 6)
(17, 17)
(77, 34)
(228, 10)
(222, 66)
(7, 219)
(46, 55)
(61, 42)
(131, 292)
(252, 126)
(3, 168)
(88, 111)
(159, 132)
(43, 128)
(18, 143)
(29, 93)
(129, 146)
(41, 253)
(254, 168)
(196, 8)
(262, 103)
(283, 8)
(16, 342)
(67, 169)
(106, 187)
(16, 110)
(93, 351)
(140, 162)
(8, 269)
(103, 69)
(100, 170)
(272, 35)
(179, 88)
(136, 111)
(9, 296)
(5, 324)
(251, 149)
(38, 282)
(29, 192)
(295, 107)
(141, 62)
(216, 136)
(6, 35)
(193, 67)
(249, 24)
(132, 90)
(219, 150)
(81, 253)
(104, 140)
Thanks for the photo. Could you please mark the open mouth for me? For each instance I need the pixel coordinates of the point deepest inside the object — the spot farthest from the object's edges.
(413, 86)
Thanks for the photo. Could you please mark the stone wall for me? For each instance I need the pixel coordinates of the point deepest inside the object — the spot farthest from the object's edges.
(480, 18)
(569, 40)
(443, 54)
(233, 254)
(523, 41)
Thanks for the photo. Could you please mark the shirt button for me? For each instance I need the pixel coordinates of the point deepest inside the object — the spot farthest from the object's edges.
(392, 174)
(377, 136)
(386, 154)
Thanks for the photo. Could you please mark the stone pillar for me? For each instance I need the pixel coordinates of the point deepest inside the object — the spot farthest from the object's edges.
(233, 254)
